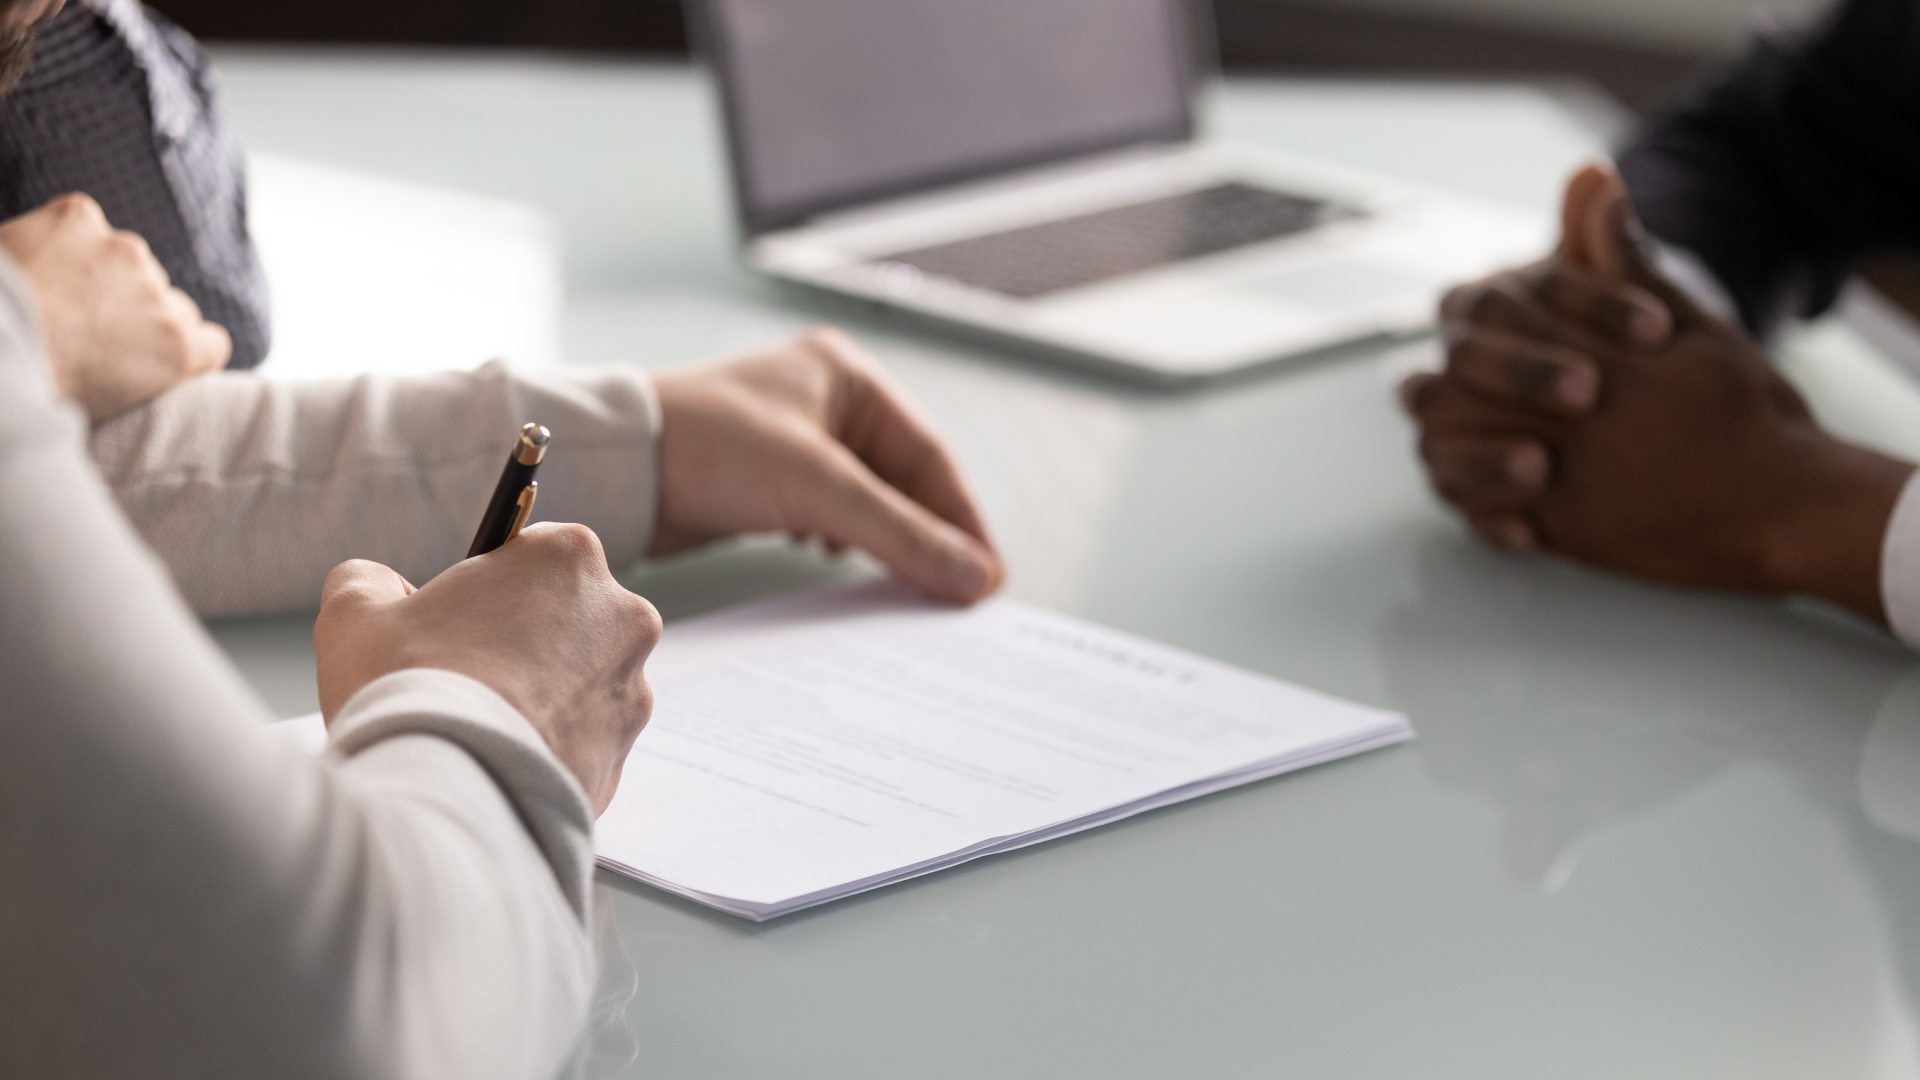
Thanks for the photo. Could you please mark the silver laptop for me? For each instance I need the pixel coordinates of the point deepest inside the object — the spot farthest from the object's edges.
(1029, 168)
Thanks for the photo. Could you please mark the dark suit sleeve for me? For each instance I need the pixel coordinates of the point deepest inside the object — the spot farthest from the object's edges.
(1784, 171)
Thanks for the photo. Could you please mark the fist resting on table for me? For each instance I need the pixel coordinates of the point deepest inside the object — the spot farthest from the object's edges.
(118, 333)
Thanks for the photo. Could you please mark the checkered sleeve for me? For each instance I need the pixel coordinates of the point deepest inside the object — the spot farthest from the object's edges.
(120, 104)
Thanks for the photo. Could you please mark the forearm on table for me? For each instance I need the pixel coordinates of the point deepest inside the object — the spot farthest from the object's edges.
(251, 488)
(1837, 533)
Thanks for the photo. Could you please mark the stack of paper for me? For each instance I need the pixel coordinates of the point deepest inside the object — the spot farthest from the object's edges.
(825, 744)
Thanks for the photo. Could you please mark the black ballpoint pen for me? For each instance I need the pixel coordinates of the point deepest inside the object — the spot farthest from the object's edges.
(513, 496)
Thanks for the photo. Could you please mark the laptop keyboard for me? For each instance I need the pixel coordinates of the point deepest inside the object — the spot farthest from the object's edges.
(1035, 260)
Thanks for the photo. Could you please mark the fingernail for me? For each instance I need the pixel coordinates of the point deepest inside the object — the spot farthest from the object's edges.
(1578, 388)
(1527, 467)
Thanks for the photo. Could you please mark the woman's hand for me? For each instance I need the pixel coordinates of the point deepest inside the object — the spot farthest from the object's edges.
(814, 440)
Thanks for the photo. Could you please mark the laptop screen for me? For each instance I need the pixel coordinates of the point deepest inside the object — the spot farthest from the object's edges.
(837, 102)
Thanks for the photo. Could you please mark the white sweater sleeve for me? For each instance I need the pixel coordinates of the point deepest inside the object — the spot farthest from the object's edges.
(183, 894)
(251, 488)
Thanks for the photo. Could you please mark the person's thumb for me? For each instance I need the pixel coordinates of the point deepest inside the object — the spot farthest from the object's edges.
(350, 602)
(1612, 243)
(1616, 243)
(1584, 196)
(362, 582)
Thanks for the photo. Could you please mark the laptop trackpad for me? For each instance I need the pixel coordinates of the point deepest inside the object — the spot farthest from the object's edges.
(1201, 323)
(1333, 285)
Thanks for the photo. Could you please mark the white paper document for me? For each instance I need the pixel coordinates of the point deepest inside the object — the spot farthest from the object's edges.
(820, 745)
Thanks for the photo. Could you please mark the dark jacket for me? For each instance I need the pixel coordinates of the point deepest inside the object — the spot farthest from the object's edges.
(120, 104)
(1786, 170)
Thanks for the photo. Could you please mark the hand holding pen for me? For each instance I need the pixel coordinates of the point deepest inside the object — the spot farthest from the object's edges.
(580, 680)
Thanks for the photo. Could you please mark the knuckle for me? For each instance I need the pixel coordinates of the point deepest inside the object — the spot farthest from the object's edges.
(176, 342)
(1444, 489)
(831, 341)
(647, 623)
(183, 306)
(345, 584)
(1464, 349)
(1428, 446)
(77, 208)
(1487, 530)
(840, 352)
(575, 543)
(1454, 302)
(219, 350)
(1453, 331)
(1417, 393)
(128, 245)
(641, 706)
(1488, 305)
(1483, 300)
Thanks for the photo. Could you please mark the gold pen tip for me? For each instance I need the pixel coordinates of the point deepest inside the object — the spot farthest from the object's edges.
(533, 444)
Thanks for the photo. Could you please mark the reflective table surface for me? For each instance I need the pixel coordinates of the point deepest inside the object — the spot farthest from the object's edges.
(1642, 833)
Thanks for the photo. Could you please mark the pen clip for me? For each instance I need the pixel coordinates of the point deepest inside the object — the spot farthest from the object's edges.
(525, 503)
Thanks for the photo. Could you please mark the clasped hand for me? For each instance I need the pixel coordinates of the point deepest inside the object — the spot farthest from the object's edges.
(1591, 408)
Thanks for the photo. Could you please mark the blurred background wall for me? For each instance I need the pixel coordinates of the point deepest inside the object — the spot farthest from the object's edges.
(1637, 49)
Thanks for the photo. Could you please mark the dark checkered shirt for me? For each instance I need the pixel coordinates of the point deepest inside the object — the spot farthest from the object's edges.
(120, 104)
